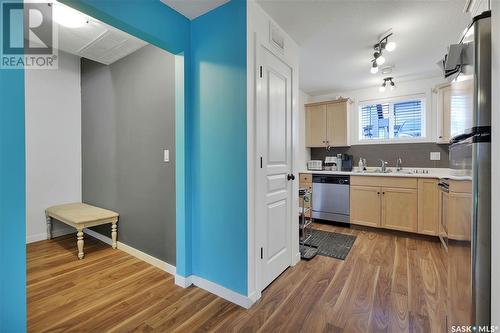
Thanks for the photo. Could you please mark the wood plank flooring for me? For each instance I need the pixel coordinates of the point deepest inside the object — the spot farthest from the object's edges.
(389, 282)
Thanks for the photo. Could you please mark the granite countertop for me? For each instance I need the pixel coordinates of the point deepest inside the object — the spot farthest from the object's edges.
(406, 172)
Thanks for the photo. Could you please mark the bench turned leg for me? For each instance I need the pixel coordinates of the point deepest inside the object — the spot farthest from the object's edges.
(79, 242)
(49, 226)
(113, 234)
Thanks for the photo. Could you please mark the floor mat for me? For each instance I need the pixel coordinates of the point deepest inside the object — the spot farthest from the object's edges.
(332, 244)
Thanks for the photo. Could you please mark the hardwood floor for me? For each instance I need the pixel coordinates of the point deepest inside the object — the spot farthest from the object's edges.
(388, 283)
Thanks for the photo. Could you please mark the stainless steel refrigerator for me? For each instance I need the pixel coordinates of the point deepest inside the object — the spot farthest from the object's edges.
(469, 260)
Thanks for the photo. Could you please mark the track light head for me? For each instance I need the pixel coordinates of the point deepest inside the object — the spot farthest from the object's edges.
(380, 60)
(390, 46)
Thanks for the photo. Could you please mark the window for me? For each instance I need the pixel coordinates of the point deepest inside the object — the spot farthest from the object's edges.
(392, 120)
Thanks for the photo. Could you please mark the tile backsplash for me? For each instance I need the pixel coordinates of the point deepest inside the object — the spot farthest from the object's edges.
(413, 154)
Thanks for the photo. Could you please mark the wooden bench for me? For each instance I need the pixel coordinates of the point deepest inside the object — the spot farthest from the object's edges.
(80, 216)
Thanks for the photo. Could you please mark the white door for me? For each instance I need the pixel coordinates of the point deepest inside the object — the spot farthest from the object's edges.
(274, 170)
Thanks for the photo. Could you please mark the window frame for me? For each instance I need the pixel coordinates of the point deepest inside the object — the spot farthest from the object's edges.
(425, 136)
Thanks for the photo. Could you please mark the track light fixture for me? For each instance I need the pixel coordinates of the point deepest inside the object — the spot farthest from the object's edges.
(378, 58)
(387, 81)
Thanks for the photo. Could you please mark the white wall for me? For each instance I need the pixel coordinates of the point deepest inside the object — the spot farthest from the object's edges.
(422, 86)
(53, 143)
(304, 153)
(258, 22)
(495, 181)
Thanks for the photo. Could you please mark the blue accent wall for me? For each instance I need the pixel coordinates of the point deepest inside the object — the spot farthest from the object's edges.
(12, 200)
(211, 184)
(219, 146)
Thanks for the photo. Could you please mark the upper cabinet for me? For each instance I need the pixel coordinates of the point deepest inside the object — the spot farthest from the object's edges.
(316, 125)
(326, 124)
(454, 109)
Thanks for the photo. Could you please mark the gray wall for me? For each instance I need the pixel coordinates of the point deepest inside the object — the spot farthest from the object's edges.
(128, 111)
(413, 155)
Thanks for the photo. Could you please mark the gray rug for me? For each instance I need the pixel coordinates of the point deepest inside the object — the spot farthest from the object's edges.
(332, 244)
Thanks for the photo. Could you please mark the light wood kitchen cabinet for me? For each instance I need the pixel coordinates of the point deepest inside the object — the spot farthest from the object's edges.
(443, 215)
(365, 205)
(336, 124)
(326, 124)
(387, 202)
(316, 125)
(305, 181)
(428, 206)
(459, 216)
(400, 209)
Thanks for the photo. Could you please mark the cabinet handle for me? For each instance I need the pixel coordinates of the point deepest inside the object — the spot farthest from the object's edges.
(383, 193)
(378, 193)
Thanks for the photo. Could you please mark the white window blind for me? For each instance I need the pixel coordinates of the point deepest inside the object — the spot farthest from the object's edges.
(392, 120)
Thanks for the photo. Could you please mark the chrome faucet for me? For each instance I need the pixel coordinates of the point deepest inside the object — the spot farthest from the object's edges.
(383, 166)
(399, 164)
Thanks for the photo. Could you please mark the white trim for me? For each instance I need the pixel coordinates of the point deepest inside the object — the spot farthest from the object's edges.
(98, 236)
(229, 295)
(147, 258)
(164, 266)
(43, 235)
(426, 137)
(182, 281)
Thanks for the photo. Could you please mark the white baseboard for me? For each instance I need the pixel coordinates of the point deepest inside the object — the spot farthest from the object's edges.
(229, 295)
(99, 236)
(254, 297)
(147, 258)
(164, 266)
(296, 259)
(184, 282)
(43, 235)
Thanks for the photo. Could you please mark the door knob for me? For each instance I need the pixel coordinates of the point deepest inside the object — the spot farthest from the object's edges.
(290, 177)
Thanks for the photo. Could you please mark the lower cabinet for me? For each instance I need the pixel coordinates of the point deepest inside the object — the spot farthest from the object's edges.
(400, 209)
(428, 206)
(365, 205)
(384, 202)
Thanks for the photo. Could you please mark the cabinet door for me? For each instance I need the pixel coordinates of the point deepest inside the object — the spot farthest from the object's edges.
(316, 125)
(460, 216)
(305, 181)
(365, 205)
(400, 209)
(336, 124)
(428, 201)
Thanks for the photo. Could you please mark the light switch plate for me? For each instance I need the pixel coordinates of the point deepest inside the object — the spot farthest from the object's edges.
(166, 155)
(435, 156)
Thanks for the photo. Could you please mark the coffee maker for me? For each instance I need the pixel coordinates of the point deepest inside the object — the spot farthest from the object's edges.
(346, 162)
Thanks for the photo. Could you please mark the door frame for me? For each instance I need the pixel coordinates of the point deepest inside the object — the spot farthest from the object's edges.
(259, 233)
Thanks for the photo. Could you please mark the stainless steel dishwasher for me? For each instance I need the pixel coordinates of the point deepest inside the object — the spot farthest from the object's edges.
(330, 199)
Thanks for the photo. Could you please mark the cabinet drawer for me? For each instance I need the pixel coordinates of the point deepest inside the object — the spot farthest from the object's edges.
(384, 181)
(305, 179)
(461, 186)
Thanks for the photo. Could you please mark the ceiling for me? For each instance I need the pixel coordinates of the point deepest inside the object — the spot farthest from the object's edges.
(193, 8)
(93, 40)
(98, 41)
(337, 37)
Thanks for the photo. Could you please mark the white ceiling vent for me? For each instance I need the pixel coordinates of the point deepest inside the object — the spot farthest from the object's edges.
(97, 41)
(276, 37)
(110, 46)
